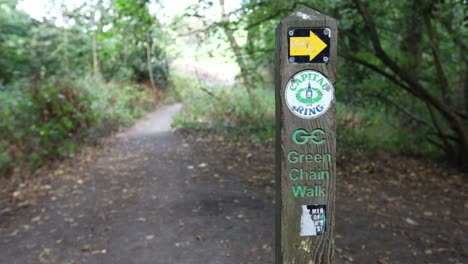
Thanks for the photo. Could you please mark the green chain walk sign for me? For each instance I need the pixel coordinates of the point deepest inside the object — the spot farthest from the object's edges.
(306, 56)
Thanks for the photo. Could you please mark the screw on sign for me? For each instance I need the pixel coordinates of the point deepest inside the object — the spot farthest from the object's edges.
(306, 56)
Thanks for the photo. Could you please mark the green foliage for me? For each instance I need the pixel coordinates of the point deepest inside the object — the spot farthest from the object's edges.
(14, 32)
(225, 108)
(377, 130)
(122, 47)
(49, 120)
(49, 104)
(374, 129)
(109, 38)
(404, 56)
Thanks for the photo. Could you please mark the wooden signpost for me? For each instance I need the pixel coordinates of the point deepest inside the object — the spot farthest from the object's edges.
(305, 137)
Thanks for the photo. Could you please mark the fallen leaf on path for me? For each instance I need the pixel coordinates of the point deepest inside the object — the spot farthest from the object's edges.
(98, 252)
(410, 221)
(86, 248)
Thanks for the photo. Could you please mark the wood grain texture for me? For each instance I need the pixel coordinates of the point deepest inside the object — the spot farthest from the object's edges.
(290, 247)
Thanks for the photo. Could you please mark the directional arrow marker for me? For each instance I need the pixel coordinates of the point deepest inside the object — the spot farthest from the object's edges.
(306, 46)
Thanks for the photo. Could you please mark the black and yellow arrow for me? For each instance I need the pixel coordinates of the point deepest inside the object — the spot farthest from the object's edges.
(306, 46)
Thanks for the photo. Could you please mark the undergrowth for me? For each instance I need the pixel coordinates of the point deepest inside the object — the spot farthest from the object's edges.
(230, 109)
(49, 119)
(374, 130)
(226, 108)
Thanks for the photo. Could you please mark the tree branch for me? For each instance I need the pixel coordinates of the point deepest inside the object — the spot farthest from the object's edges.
(434, 128)
(202, 87)
(378, 70)
(406, 112)
(455, 38)
(461, 114)
(453, 119)
(439, 131)
(444, 83)
(437, 144)
(280, 11)
(276, 14)
(237, 53)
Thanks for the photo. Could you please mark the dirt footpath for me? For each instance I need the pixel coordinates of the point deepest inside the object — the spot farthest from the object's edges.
(152, 195)
(148, 196)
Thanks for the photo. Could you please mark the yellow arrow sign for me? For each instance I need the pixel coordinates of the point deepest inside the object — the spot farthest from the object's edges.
(306, 46)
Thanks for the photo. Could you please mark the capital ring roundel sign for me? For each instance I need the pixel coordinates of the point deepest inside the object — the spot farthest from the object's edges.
(309, 94)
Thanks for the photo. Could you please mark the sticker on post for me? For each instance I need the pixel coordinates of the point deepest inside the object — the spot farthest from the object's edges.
(313, 220)
(309, 94)
(309, 45)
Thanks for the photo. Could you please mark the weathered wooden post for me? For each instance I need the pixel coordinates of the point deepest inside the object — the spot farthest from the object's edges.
(305, 137)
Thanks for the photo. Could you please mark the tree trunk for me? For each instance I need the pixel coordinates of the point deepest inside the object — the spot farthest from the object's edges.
(414, 86)
(95, 56)
(65, 50)
(412, 37)
(156, 91)
(237, 52)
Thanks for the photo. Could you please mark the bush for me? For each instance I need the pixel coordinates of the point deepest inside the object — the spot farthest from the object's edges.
(374, 130)
(216, 107)
(49, 119)
(371, 129)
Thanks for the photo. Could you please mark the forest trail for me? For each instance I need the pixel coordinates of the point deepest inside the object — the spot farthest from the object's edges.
(147, 196)
(152, 195)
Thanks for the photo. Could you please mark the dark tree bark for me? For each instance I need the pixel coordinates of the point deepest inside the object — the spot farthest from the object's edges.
(458, 145)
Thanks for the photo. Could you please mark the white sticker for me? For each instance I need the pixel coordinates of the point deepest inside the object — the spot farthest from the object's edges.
(313, 220)
(309, 94)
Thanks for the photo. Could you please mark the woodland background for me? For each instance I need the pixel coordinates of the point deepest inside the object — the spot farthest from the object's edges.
(87, 70)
